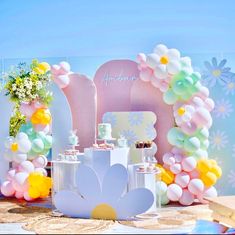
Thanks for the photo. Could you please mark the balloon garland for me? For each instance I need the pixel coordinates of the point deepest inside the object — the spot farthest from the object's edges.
(30, 137)
(187, 173)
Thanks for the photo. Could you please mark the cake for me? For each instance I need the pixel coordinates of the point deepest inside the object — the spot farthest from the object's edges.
(143, 144)
(104, 131)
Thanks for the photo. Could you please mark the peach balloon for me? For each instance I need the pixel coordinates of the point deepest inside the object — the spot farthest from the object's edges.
(187, 198)
(7, 189)
(189, 164)
(196, 186)
(174, 192)
(182, 179)
(176, 168)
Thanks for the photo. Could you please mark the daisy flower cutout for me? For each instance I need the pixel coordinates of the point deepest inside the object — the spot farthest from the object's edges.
(229, 87)
(216, 72)
(105, 200)
(164, 61)
(223, 108)
(231, 178)
(218, 140)
(183, 113)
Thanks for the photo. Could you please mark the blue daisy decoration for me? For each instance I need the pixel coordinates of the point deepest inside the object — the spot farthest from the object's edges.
(130, 136)
(135, 118)
(216, 72)
(110, 118)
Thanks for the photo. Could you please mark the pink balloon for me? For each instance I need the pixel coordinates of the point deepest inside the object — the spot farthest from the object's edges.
(176, 168)
(187, 198)
(189, 128)
(209, 192)
(40, 161)
(11, 174)
(174, 192)
(27, 197)
(55, 69)
(202, 118)
(20, 182)
(209, 104)
(168, 158)
(7, 189)
(26, 166)
(178, 158)
(163, 86)
(189, 164)
(62, 81)
(64, 67)
(146, 74)
(196, 186)
(41, 170)
(19, 195)
(27, 109)
(204, 92)
(194, 174)
(141, 57)
(43, 128)
(182, 179)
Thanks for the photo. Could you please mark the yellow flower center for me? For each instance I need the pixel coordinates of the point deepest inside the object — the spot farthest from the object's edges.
(104, 212)
(164, 60)
(222, 109)
(181, 111)
(14, 147)
(217, 140)
(231, 85)
(216, 72)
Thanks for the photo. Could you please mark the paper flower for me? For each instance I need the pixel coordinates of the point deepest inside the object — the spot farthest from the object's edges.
(103, 201)
(130, 136)
(17, 148)
(229, 87)
(109, 117)
(218, 140)
(216, 72)
(135, 118)
(223, 108)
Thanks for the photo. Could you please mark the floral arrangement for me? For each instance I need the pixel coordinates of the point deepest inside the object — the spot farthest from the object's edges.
(187, 173)
(29, 140)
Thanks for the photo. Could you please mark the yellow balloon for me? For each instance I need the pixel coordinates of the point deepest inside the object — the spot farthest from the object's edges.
(204, 165)
(166, 175)
(44, 194)
(38, 70)
(213, 162)
(41, 116)
(209, 179)
(34, 193)
(216, 170)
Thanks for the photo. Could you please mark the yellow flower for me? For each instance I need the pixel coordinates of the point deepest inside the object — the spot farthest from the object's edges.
(42, 68)
(18, 81)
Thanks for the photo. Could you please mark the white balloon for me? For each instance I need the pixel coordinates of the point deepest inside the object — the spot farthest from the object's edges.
(9, 141)
(24, 145)
(173, 67)
(65, 66)
(160, 50)
(160, 71)
(8, 155)
(161, 188)
(62, 81)
(152, 60)
(173, 54)
(21, 136)
(20, 157)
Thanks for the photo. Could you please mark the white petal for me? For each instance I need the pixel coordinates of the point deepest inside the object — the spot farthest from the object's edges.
(186, 117)
(186, 61)
(160, 71)
(173, 67)
(9, 141)
(152, 60)
(160, 50)
(20, 136)
(135, 202)
(189, 108)
(116, 179)
(71, 204)
(173, 54)
(88, 183)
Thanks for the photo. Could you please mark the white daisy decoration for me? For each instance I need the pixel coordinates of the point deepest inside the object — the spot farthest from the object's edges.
(166, 61)
(218, 140)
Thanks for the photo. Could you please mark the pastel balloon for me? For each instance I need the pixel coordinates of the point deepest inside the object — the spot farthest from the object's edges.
(146, 74)
(178, 158)
(161, 188)
(191, 144)
(152, 60)
(8, 142)
(196, 186)
(24, 145)
(34, 192)
(169, 97)
(141, 57)
(26, 166)
(174, 192)
(55, 69)
(166, 175)
(194, 174)
(210, 192)
(20, 157)
(203, 133)
(182, 179)
(47, 141)
(37, 145)
(189, 164)
(41, 170)
(209, 104)
(7, 189)
(163, 199)
(200, 153)
(11, 174)
(204, 92)
(20, 181)
(40, 161)
(43, 128)
(62, 81)
(189, 128)
(202, 118)
(27, 109)
(19, 195)
(209, 179)
(187, 198)
(27, 197)
(65, 66)
(176, 168)
(168, 159)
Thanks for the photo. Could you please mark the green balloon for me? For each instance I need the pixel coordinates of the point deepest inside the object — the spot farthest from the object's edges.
(175, 136)
(37, 145)
(163, 199)
(47, 142)
(169, 97)
(179, 87)
(191, 144)
(186, 95)
(203, 134)
(196, 77)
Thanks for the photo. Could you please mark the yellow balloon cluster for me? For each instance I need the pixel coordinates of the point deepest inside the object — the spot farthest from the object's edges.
(41, 116)
(209, 171)
(42, 68)
(166, 175)
(39, 185)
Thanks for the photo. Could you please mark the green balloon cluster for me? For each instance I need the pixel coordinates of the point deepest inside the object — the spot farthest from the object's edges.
(41, 143)
(195, 145)
(182, 87)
